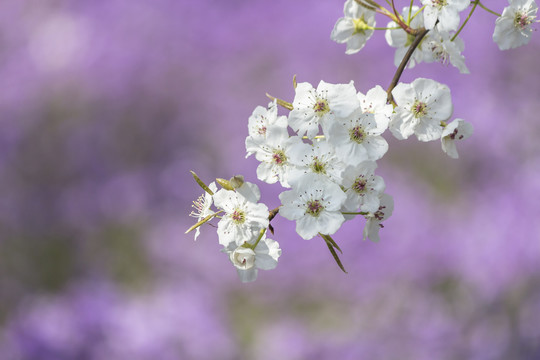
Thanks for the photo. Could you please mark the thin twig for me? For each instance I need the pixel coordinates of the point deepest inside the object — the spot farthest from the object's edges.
(418, 38)
(466, 20)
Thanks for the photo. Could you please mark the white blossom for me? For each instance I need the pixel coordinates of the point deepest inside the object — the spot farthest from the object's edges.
(320, 159)
(243, 218)
(258, 123)
(313, 107)
(355, 28)
(401, 40)
(315, 204)
(249, 260)
(362, 187)
(458, 129)
(357, 138)
(513, 28)
(274, 154)
(374, 220)
(421, 106)
(375, 102)
(202, 207)
(446, 11)
(441, 48)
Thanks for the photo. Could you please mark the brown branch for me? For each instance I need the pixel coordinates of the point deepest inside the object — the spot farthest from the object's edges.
(418, 38)
(273, 213)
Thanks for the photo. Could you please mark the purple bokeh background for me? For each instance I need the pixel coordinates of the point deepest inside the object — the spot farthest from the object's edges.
(107, 104)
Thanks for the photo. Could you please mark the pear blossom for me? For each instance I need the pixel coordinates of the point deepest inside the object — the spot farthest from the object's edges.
(274, 155)
(258, 123)
(446, 11)
(315, 204)
(355, 28)
(313, 107)
(320, 159)
(357, 138)
(421, 106)
(374, 220)
(202, 207)
(362, 187)
(458, 129)
(249, 260)
(243, 218)
(401, 40)
(442, 49)
(513, 28)
(375, 102)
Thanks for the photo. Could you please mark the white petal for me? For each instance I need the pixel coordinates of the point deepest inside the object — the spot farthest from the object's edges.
(343, 30)
(247, 275)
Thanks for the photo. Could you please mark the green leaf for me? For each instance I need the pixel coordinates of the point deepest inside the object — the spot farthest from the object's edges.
(336, 257)
(330, 241)
(202, 221)
(201, 183)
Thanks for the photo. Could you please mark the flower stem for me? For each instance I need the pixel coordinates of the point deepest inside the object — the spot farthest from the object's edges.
(466, 20)
(418, 38)
(488, 10)
(261, 234)
(354, 213)
(385, 28)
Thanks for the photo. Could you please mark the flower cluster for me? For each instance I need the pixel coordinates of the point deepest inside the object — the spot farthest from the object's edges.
(324, 152)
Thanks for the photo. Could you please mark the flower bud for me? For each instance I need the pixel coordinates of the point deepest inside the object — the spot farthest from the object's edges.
(236, 181)
(226, 184)
(243, 258)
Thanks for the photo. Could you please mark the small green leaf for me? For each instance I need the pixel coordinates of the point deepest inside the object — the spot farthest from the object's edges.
(336, 257)
(201, 183)
(285, 104)
(330, 241)
(201, 222)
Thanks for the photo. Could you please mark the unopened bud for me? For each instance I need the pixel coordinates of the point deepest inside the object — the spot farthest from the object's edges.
(226, 184)
(236, 181)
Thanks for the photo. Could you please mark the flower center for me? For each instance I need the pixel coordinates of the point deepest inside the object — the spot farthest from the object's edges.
(318, 166)
(522, 20)
(439, 53)
(321, 107)
(439, 3)
(359, 185)
(199, 206)
(314, 208)
(262, 130)
(419, 109)
(279, 157)
(360, 26)
(238, 216)
(357, 134)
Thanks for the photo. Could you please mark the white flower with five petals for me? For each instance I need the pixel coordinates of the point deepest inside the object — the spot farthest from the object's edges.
(513, 28)
(315, 204)
(355, 28)
(314, 107)
(320, 159)
(446, 11)
(363, 187)
(421, 106)
(243, 218)
(258, 123)
(357, 138)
